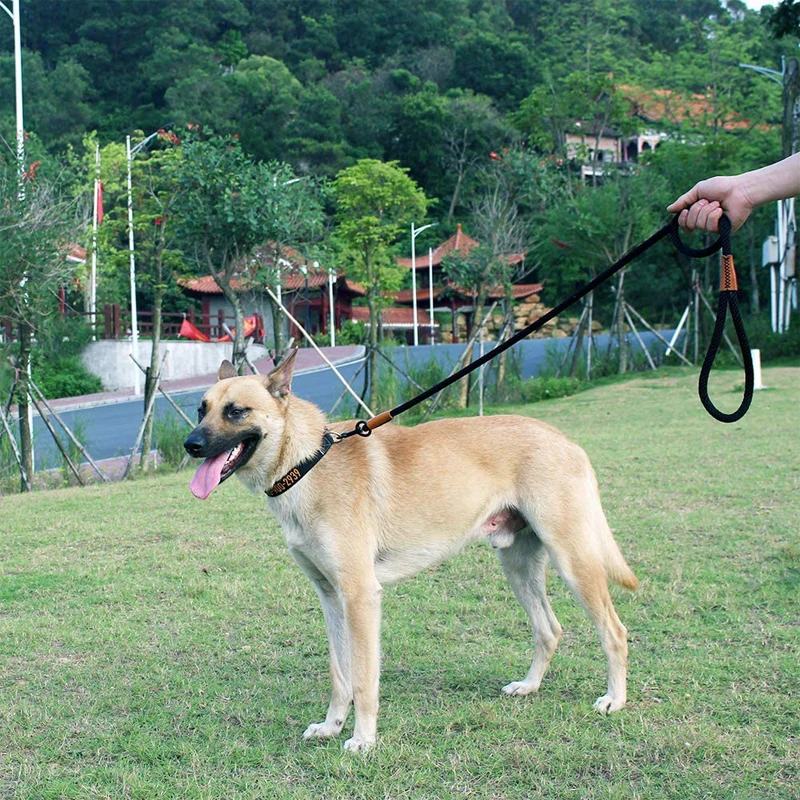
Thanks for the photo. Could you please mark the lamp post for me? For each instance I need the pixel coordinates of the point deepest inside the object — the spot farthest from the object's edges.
(131, 152)
(783, 284)
(331, 281)
(13, 13)
(414, 233)
(430, 290)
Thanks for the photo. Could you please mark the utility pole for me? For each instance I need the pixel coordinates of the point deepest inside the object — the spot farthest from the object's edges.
(783, 283)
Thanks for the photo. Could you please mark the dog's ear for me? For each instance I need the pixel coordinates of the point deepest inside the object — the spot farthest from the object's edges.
(279, 382)
(226, 370)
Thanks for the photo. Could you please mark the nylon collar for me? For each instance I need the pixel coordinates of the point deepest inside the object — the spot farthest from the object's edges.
(296, 473)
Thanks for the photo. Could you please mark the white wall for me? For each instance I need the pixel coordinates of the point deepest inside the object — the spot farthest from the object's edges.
(110, 360)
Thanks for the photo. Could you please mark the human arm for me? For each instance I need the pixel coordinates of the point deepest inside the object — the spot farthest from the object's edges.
(736, 196)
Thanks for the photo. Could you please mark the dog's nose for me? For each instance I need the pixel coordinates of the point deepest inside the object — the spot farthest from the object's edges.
(195, 443)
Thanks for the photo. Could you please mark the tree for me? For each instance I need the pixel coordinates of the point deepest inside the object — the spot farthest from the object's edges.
(588, 228)
(498, 227)
(375, 202)
(36, 223)
(472, 129)
(228, 206)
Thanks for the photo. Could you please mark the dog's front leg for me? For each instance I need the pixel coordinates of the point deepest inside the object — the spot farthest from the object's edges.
(340, 652)
(361, 595)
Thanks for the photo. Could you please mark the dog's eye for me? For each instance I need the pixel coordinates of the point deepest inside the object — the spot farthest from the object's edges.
(236, 413)
(201, 412)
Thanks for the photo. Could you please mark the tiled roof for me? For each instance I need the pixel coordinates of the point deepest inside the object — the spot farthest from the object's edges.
(520, 291)
(460, 243)
(76, 253)
(394, 317)
(290, 282)
(666, 105)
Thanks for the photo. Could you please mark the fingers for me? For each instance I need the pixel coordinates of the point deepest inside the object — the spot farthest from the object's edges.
(703, 215)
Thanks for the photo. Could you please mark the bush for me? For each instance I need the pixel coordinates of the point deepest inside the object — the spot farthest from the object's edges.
(169, 433)
(772, 345)
(56, 364)
(63, 377)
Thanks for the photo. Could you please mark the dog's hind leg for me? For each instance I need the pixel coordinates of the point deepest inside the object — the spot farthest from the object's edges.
(578, 560)
(525, 565)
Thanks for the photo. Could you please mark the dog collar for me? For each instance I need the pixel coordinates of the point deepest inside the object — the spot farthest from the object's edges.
(293, 475)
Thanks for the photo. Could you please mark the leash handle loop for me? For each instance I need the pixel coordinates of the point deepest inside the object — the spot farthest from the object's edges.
(700, 252)
(728, 299)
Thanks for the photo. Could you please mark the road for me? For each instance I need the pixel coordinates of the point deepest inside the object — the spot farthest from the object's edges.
(109, 429)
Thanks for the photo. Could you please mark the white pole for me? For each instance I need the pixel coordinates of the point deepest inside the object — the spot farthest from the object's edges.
(137, 390)
(678, 330)
(14, 14)
(414, 282)
(480, 378)
(93, 279)
(756, 354)
(18, 87)
(332, 309)
(430, 289)
(773, 272)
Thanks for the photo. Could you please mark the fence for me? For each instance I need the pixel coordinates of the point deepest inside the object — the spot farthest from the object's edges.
(114, 322)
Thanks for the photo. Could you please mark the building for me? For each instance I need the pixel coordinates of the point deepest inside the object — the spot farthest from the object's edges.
(305, 291)
(446, 295)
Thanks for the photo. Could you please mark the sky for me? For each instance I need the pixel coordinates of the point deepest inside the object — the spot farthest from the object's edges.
(756, 4)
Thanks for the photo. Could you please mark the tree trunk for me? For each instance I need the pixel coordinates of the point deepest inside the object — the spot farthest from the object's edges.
(23, 389)
(374, 321)
(232, 297)
(277, 330)
(150, 380)
(621, 341)
(477, 318)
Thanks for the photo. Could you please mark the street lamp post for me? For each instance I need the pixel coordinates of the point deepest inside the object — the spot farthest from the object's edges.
(430, 290)
(414, 233)
(131, 152)
(782, 273)
(331, 281)
(13, 12)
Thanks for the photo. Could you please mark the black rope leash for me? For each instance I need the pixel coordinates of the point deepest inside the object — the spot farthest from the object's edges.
(727, 300)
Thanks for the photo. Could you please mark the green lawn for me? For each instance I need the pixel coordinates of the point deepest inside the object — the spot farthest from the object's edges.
(154, 646)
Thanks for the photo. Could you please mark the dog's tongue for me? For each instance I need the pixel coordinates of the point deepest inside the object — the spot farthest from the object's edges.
(206, 479)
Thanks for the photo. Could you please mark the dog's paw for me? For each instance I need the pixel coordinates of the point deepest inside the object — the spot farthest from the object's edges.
(518, 688)
(358, 745)
(322, 730)
(607, 704)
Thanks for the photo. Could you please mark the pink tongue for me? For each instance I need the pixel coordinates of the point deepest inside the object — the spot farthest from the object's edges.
(206, 479)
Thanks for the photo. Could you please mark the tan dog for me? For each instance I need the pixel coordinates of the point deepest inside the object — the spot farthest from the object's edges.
(378, 510)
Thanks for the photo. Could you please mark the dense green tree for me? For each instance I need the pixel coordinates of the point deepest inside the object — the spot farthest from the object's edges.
(375, 202)
(227, 207)
(36, 221)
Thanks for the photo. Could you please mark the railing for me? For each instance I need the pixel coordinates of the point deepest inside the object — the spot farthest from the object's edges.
(114, 322)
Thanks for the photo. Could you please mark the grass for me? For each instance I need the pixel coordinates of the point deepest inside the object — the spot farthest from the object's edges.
(157, 647)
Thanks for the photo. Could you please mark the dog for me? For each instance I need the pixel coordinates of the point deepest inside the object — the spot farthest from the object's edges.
(374, 511)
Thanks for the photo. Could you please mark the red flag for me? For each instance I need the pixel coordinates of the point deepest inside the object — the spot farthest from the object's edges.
(99, 190)
(192, 332)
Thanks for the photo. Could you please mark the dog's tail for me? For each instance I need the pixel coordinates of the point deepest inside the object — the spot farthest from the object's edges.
(616, 566)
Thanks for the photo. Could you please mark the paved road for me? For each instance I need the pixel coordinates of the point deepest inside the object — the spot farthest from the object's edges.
(108, 426)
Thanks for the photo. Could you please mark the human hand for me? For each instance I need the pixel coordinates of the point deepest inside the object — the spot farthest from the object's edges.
(703, 205)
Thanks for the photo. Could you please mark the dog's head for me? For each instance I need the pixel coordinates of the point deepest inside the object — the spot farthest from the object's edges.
(241, 424)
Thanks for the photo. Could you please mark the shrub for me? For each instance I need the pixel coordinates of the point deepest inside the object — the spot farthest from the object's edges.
(56, 364)
(169, 433)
